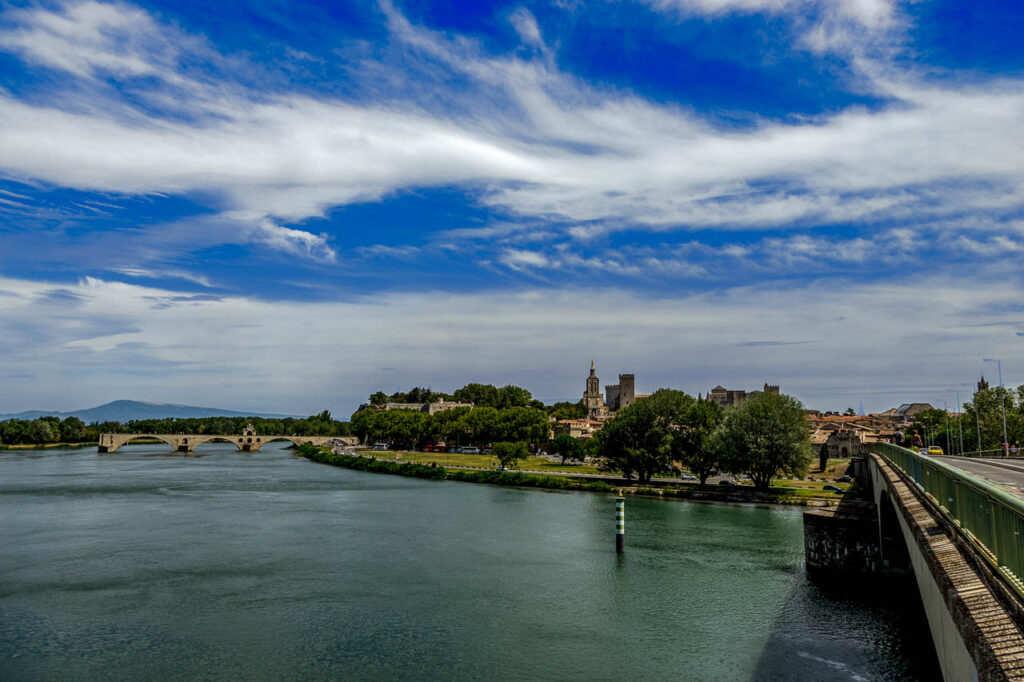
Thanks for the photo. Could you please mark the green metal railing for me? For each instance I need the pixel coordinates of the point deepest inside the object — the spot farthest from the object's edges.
(991, 518)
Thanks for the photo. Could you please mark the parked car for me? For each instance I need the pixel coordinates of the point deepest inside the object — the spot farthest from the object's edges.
(486, 451)
(845, 479)
(688, 477)
(454, 448)
(380, 446)
(833, 488)
(470, 451)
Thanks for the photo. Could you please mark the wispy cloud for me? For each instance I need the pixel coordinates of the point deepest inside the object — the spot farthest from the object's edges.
(530, 139)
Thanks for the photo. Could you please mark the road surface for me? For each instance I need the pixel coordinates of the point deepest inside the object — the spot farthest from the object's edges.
(1007, 473)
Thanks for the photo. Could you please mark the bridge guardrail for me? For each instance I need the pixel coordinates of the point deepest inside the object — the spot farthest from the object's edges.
(991, 518)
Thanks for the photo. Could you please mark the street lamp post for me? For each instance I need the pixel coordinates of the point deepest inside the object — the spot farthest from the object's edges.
(959, 420)
(945, 410)
(1002, 403)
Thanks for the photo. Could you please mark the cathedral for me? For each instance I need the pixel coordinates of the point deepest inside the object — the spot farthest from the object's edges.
(615, 397)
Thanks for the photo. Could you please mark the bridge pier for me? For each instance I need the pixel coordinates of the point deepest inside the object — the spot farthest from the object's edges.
(977, 634)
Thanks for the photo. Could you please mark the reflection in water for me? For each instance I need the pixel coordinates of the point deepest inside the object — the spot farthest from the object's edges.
(149, 564)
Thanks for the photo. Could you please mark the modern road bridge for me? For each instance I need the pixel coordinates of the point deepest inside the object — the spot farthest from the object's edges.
(248, 441)
(962, 538)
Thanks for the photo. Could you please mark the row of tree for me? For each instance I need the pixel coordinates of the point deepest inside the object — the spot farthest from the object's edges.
(483, 395)
(763, 437)
(464, 426)
(980, 425)
(46, 430)
(73, 430)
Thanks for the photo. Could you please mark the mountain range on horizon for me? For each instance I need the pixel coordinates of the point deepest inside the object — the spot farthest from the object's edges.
(128, 410)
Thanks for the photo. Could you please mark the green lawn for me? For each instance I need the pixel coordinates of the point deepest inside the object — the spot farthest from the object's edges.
(481, 461)
(803, 488)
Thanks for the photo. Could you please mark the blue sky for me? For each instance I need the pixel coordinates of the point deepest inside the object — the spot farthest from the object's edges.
(284, 208)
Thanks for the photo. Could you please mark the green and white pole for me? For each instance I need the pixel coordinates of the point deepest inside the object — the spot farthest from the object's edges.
(620, 525)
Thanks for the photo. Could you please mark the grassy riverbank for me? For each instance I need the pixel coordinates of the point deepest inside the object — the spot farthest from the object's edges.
(432, 471)
(47, 446)
(809, 493)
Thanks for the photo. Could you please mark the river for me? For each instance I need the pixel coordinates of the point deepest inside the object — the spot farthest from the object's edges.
(149, 565)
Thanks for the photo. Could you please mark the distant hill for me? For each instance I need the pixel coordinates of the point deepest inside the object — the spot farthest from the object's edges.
(127, 410)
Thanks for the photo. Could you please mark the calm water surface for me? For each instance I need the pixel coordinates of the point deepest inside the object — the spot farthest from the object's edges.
(147, 565)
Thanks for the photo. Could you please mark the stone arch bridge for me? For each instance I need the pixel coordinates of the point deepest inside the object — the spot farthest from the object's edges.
(248, 441)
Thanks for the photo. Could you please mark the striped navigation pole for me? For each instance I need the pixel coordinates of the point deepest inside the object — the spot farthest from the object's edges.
(620, 525)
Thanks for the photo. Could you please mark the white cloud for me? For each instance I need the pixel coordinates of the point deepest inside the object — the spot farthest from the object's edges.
(296, 242)
(536, 141)
(526, 26)
(102, 340)
(156, 273)
(857, 26)
(518, 259)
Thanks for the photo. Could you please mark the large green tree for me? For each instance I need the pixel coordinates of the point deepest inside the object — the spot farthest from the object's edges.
(984, 413)
(638, 440)
(509, 454)
(567, 447)
(692, 444)
(765, 436)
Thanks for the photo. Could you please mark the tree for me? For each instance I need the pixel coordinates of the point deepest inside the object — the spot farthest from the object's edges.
(514, 396)
(447, 426)
(72, 430)
(764, 436)
(509, 454)
(41, 431)
(639, 439)
(823, 457)
(850, 412)
(985, 411)
(378, 398)
(482, 425)
(692, 443)
(567, 447)
(523, 424)
(481, 395)
(366, 425)
(566, 410)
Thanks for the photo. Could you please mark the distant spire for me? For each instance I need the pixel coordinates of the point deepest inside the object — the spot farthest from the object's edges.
(591, 364)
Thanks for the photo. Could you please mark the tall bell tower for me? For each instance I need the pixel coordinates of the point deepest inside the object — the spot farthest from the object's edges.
(592, 398)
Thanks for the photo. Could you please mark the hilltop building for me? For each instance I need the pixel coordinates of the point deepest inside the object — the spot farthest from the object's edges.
(905, 413)
(617, 396)
(577, 428)
(430, 408)
(729, 397)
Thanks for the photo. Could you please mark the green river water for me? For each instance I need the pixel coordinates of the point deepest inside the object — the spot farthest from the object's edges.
(145, 565)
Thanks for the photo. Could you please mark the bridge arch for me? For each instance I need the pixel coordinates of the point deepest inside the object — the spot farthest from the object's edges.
(135, 437)
(190, 443)
(294, 440)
